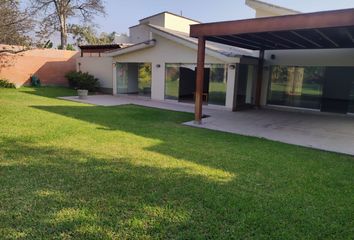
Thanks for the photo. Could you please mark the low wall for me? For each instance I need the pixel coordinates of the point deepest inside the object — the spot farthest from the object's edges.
(50, 65)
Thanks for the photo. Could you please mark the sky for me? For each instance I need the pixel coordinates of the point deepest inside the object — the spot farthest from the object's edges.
(121, 14)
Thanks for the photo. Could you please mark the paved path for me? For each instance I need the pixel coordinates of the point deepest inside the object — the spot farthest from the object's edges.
(327, 132)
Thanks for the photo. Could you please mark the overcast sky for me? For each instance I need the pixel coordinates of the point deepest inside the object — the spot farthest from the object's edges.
(121, 14)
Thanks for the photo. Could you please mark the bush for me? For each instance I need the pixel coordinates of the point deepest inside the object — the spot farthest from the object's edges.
(6, 84)
(80, 80)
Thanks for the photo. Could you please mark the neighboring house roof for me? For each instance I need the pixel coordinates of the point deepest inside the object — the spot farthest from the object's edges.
(223, 52)
(277, 10)
(100, 46)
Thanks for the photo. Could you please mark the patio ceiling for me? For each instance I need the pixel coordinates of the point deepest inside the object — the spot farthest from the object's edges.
(320, 30)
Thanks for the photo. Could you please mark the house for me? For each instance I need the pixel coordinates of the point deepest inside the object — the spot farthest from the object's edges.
(280, 59)
(159, 63)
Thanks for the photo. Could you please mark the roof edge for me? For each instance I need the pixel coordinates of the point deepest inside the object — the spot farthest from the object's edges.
(250, 2)
(174, 14)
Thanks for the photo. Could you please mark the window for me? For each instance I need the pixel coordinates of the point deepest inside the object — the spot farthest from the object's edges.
(172, 81)
(217, 84)
(296, 86)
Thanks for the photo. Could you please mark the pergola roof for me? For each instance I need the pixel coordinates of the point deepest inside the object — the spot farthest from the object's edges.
(319, 30)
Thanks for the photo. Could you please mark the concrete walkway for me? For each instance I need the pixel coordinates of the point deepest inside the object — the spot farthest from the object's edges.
(326, 132)
(109, 100)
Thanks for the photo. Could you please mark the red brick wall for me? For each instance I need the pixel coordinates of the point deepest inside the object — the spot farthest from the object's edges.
(50, 65)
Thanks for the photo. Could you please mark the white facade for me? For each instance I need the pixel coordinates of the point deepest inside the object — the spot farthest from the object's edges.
(100, 67)
(171, 45)
(264, 9)
(167, 51)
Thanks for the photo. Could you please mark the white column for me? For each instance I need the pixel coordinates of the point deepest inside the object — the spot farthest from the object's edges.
(158, 81)
(230, 87)
(114, 78)
(264, 92)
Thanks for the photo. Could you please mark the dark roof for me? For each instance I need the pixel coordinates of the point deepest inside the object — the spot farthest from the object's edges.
(318, 30)
(100, 47)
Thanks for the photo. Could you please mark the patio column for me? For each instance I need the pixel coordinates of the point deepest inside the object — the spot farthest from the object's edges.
(259, 78)
(199, 81)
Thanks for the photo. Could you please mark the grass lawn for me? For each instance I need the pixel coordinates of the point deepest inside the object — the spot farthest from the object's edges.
(76, 171)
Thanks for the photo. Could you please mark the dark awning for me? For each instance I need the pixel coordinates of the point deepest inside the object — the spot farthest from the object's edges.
(319, 30)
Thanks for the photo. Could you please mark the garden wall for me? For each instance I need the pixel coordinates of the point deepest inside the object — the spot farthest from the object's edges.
(50, 65)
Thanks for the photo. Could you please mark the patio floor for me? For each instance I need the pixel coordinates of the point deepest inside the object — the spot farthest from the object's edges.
(321, 131)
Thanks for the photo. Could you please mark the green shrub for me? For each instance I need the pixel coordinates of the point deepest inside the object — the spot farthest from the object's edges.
(6, 84)
(80, 80)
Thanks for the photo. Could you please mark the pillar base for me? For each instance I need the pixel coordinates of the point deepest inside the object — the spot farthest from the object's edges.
(198, 122)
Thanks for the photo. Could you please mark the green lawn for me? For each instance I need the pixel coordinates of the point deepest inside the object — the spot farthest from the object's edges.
(76, 171)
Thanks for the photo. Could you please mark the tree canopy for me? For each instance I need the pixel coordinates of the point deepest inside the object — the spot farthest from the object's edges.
(14, 23)
(56, 14)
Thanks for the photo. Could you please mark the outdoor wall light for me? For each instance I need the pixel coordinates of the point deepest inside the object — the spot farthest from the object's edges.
(272, 56)
(158, 65)
(232, 67)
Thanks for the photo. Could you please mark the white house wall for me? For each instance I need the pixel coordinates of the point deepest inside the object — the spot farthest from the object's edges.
(158, 20)
(139, 33)
(177, 23)
(100, 67)
(164, 52)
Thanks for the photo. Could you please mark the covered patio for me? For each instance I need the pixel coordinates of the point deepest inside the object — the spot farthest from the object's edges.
(320, 30)
(327, 132)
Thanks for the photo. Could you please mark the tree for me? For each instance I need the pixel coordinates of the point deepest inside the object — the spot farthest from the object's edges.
(57, 13)
(14, 23)
(87, 35)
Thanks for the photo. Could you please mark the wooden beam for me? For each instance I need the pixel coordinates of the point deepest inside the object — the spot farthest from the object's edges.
(350, 36)
(262, 38)
(238, 43)
(259, 78)
(252, 41)
(287, 40)
(306, 39)
(317, 20)
(199, 81)
(326, 37)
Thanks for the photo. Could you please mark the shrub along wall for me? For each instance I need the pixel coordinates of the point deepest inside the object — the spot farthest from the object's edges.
(50, 65)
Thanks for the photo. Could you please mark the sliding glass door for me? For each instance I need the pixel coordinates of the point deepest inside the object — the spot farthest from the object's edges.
(180, 82)
(134, 78)
(328, 89)
(296, 86)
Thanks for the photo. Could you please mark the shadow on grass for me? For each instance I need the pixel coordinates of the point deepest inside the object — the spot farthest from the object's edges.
(67, 193)
(49, 92)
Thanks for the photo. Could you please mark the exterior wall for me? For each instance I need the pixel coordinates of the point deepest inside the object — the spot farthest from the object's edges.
(230, 88)
(158, 20)
(262, 13)
(50, 65)
(164, 52)
(139, 33)
(322, 57)
(264, 9)
(100, 67)
(178, 23)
